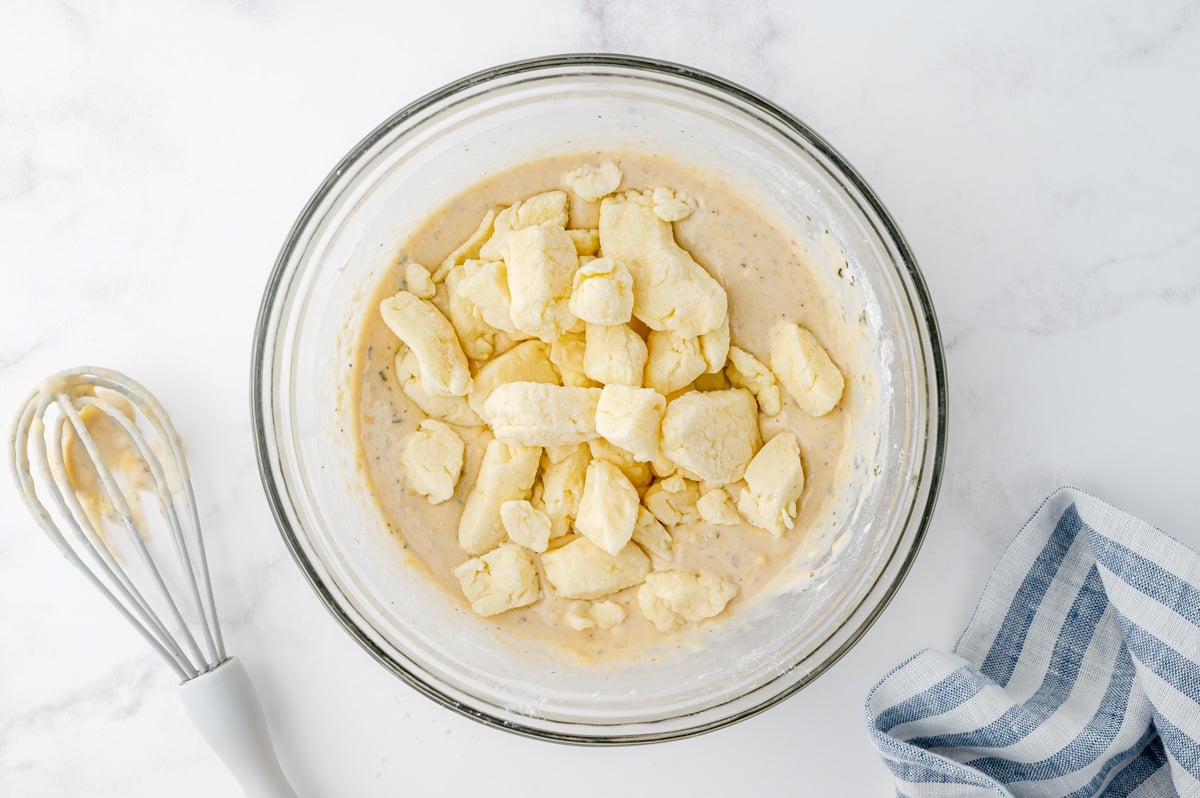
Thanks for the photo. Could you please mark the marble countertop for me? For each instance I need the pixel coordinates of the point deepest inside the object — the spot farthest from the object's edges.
(1042, 160)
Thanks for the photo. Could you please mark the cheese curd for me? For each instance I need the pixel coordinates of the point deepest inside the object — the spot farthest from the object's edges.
(582, 615)
(583, 570)
(541, 268)
(671, 599)
(673, 506)
(602, 292)
(613, 355)
(536, 414)
(651, 535)
(671, 206)
(433, 460)
(672, 362)
(547, 208)
(593, 181)
(608, 509)
(630, 418)
(747, 371)
(578, 372)
(562, 487)
(670, 290)
(716, 507)
(421, 326)
(525, 524)
(774, 482)
(712, 434)
(506, 474)
(451, 409)
(477, 337)
(501, 580)
(418, 281)
(804, 368)
(484, 284)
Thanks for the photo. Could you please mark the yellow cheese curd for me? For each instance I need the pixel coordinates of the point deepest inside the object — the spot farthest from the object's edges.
(609, 311)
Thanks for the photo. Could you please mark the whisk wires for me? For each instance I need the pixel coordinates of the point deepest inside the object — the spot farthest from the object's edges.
(164, 590)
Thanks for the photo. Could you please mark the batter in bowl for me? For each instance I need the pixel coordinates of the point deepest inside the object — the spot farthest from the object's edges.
(770, 291)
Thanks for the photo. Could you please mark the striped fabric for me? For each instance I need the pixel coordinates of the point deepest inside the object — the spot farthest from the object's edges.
(1079, 674)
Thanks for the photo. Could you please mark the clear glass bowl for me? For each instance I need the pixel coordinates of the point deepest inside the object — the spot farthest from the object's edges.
(346, 237)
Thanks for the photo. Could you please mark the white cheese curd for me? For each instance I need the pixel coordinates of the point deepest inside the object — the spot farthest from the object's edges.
(433, 460)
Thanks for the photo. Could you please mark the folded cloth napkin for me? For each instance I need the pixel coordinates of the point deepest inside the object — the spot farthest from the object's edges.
(1078, 675)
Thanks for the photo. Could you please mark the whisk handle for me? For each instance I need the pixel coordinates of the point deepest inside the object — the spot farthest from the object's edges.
(225, 708)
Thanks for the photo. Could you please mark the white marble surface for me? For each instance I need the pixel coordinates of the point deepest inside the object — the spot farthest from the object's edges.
(1043, 161)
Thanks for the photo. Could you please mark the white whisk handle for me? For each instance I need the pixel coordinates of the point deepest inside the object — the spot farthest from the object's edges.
(225, 708)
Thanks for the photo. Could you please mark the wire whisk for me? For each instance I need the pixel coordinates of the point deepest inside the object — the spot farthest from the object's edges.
(87, 446)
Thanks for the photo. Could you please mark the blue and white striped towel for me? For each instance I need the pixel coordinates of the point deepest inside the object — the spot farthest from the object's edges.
(1079, 674)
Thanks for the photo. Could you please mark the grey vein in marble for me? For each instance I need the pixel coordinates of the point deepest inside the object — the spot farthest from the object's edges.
(1056, 299)
(632, 26)
(15, 356)
(116, 695)
(1179, 24)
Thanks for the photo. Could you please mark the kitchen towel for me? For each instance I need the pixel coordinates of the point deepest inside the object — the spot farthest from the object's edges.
(1078, 675)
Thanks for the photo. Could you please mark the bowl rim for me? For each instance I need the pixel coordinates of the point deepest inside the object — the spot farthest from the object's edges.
(262, 388)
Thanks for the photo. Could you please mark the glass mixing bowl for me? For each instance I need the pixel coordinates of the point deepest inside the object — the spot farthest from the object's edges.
(346, 238)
